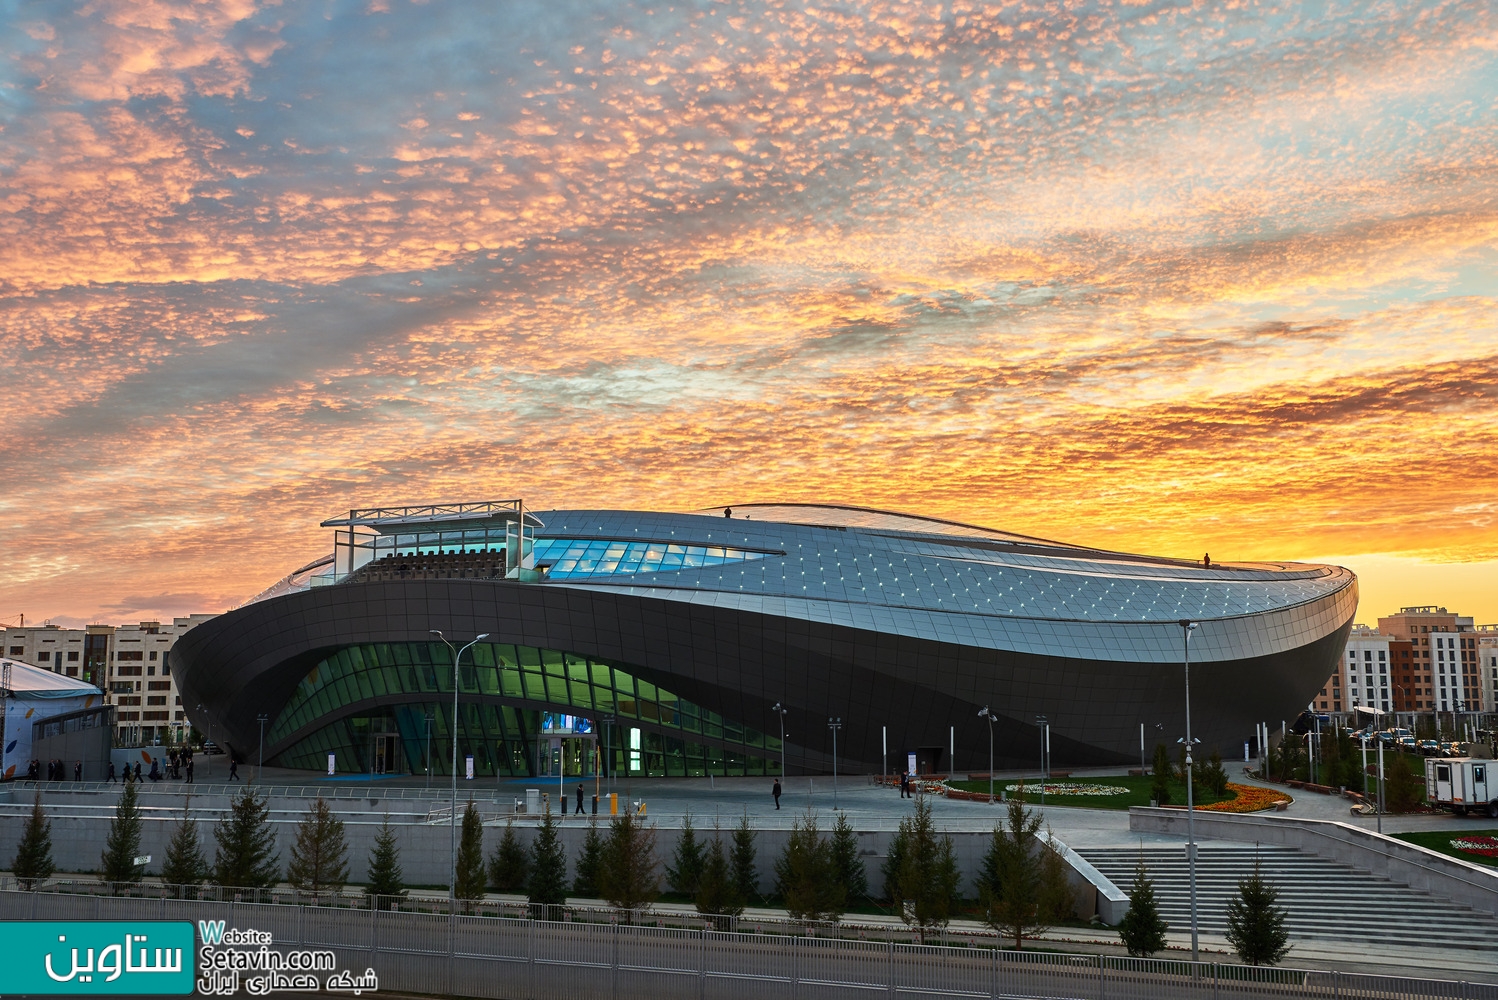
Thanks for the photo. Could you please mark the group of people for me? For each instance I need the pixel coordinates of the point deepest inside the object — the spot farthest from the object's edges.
(57, 770)
(179, 767)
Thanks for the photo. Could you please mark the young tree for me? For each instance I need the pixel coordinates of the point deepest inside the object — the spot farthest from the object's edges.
(184, 864)
(509, 865)
(122, 844)
(1256, 926)
(628, 876)
(847, 865)
(547, 884)
(33, 863)
(245, 855)
(742, 861)
(927, 881)
(1142, 929)
(319, 856)
(469, 881)
(1214, 777)
(1403, 792)
(684, 870)
(588, 864)
(717, 895)
(1022, 884)
(385, 876)
(1161, 771)
(804, 875)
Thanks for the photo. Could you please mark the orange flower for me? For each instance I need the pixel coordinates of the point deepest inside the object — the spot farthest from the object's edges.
(1249, 798)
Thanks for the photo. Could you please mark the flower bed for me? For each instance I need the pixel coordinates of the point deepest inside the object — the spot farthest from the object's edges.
(1248, 798)
(1485, 846)
(1068, 788)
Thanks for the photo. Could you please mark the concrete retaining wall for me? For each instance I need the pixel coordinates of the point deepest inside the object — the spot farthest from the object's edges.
(78, 841)
(1460, 881)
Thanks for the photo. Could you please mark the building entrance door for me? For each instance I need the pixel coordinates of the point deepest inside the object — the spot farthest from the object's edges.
(382, 759)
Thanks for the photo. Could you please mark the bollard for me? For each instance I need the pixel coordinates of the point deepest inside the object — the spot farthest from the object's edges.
(595, 805)
(613, 803)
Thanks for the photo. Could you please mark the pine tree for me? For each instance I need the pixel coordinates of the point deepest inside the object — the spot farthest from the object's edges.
(385, 876)
(1256, 926)
(319, 857)
(122, 844)
(184, 864)
(245, 855)
(804, 876)
(1142, 929)
(1022, 884)
(684, 870)
(548, 868)
(509, 865)
(1402, 790)
(742, 861)
(1214, 777)
(588, 864)
(33, 864)
(927, 881)
(847, 865)
(894, 861)
(1161, 769)
(717, 895)
(469, 881)
(628, 878)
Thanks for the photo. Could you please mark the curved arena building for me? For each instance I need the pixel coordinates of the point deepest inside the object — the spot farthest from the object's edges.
(649, 643)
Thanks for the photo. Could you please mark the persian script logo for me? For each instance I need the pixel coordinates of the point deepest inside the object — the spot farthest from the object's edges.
(152, 957)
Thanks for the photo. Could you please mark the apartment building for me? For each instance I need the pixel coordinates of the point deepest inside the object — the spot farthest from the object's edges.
(1487, 666)
(130, 663)
(1439, 670)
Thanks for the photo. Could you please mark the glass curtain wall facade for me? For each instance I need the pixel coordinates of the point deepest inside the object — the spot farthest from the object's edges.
(523, 712)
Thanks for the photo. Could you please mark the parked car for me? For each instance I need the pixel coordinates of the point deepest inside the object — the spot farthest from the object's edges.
(1429, 748)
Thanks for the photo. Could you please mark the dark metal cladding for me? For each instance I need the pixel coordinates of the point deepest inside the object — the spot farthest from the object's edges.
(895, 623)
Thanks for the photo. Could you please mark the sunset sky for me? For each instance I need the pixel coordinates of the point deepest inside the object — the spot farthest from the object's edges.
(1163, 277)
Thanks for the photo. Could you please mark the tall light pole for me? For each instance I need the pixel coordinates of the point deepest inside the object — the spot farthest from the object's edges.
(834, 725)
(452, 820)
(779, 710)
(262, 719)
(1187, 627)
(429, 748)
(984, 713)
(1045, 737)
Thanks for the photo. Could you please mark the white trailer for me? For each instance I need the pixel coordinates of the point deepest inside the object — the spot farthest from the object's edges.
(1462, 784)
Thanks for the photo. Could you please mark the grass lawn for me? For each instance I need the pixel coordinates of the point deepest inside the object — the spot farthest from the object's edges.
(1440, 841)
(1138, 792)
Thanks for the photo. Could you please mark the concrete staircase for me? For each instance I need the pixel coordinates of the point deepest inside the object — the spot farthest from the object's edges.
(1325, 900)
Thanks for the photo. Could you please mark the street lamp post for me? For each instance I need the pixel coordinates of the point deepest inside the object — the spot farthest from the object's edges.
(986, 714)
(779, 710)
(429, 749)
(1187, 627)
(1045, 738)
(452, 820)
(262, 719)
(834, 725)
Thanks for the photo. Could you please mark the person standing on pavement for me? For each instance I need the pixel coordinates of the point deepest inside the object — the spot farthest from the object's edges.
(189, 769)
(579, 798)
(775, 791)
(904, 784)
(78, 770)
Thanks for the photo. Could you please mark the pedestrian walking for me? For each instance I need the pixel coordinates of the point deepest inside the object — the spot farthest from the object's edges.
(111, 773)
(775, 791)
(78, 771)
(904, 784)
(138, 778)
(579, 798)
(233, 769)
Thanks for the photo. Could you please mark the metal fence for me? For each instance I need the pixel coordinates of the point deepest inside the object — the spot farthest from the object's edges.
(518, 958)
